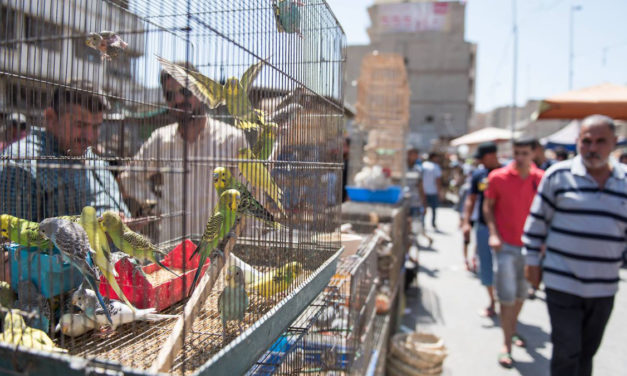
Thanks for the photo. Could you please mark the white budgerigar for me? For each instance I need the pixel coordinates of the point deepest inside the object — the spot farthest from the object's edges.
(121, 314)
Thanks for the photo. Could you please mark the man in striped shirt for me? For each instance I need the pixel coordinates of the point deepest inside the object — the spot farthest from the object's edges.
(580, 218)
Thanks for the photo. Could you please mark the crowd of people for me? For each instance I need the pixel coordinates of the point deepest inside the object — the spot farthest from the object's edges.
(560, 223)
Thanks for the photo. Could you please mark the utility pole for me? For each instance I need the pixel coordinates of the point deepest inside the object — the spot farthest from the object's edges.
(515, 68)
(571, 55)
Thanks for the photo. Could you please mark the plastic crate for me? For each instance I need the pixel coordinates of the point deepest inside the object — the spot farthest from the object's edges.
(48, 272)
(144, 294)
(391, 195)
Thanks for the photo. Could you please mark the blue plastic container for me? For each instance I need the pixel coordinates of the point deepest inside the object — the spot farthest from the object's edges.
(392, 195)
(49, 273)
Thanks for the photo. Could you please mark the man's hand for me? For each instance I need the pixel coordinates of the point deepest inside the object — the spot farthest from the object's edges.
(533, 274)
(495, 242)
(466, 229)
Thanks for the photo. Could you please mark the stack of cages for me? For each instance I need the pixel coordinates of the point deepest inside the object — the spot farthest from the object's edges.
(335, 334)
(174, 195)
(383, 110)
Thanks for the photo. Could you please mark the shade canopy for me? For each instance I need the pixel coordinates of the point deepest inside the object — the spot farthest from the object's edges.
(567, 137)
(606, 99)
(484, 135)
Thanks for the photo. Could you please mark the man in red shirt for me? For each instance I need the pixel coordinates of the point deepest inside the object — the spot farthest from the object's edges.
(510, 191)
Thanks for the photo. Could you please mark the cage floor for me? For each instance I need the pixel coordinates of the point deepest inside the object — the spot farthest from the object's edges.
(136, 345)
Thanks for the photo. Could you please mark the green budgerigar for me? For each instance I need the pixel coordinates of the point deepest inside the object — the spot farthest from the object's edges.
(259, 177)
(234, 93)
(217, 229)
(130, 242)
(7, 296)
(16, 332)
(233, 300)
(23, 232)
(100, 245)
(248, 206)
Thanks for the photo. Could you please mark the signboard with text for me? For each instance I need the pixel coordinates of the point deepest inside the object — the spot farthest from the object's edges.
(413, 17)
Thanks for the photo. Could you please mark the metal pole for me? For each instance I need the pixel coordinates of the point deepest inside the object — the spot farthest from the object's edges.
(515, 68)
(571, 54)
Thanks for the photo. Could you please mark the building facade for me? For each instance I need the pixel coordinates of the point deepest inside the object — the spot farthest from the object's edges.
(440, 64)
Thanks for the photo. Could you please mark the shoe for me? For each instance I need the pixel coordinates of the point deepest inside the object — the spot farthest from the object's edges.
(488, 312)
(505, 360)
(518, 340)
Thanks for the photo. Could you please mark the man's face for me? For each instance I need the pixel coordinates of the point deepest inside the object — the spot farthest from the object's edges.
(490, 161)
(595, 143)
(523, 155)
(183, 104)
(412, 157)
(75, 129)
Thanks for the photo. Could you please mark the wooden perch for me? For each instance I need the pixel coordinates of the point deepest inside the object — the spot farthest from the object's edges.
(184, 323)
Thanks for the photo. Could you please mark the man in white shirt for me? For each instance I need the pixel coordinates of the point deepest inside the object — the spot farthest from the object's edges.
(432, 185)
(158, 172)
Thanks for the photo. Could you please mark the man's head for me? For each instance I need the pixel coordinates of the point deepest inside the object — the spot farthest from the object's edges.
(561, 154)
(183, 104)
(597, 139)
(16, 127)
(538, 153)
(433, 157)
(75, 115)
(623, 157)
(486, 154)
(412, 157)
(523, 152)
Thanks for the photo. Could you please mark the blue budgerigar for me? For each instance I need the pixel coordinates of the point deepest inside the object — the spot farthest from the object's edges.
(71, 239)
(233, 301)
(287, 15)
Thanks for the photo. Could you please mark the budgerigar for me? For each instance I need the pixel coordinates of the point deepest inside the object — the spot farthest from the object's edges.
(259, 177)
(217, 228)
(249, 206)
(99, 243)
(16, 332)
(7, 296)
(75, 324)
(287, 15)
(71, 239)
(108, 43)
(233, 300)
(234, 93)
(278, 280)
(130, 242)
(23, 232)
(121, 313)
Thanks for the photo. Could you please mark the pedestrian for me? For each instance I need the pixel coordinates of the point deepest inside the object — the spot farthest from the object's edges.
(561, 154)
(487, 155)
(539, 158)
(464, 192)
(510, 191)
(56, 170)
(413, 179)
(15, 129)
(432, 185)
(623, 157)
(580, 218)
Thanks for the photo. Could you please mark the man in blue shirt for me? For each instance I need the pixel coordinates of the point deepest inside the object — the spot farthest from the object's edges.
(486, 155)
(55, 171)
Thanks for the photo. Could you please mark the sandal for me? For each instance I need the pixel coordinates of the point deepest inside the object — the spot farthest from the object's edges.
(505, 360)
(488, 312)
(518, 340)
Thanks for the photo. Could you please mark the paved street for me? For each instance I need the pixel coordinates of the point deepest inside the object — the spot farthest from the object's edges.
(449, 298)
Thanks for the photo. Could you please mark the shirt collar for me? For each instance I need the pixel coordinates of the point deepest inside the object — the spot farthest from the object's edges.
(512, 170)
(578, 168)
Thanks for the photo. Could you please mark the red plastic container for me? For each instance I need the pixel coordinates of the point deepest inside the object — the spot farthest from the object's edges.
(142, 293)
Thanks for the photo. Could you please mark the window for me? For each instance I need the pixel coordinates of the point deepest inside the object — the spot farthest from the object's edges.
(43, 33)
(8, 24)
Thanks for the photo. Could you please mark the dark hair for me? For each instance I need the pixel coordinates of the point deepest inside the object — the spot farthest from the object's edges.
(432, 155)
(560, 152)
(164, 75)
(525, 141)
(80, 92)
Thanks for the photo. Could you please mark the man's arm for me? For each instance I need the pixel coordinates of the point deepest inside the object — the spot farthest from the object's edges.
(495, 240)
(135, 182)
(19, 192)
(469, 205)
(536, 230)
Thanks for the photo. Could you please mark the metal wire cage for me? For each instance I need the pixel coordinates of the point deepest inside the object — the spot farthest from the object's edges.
(143, 109)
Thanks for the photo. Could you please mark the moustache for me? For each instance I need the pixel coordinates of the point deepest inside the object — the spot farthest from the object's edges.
(592, 155)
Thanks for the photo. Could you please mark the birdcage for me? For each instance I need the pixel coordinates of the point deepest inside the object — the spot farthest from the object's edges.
(183, 157)
(383, 110)
(335, 333)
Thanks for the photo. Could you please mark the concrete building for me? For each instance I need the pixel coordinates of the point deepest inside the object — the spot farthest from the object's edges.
(440, 64)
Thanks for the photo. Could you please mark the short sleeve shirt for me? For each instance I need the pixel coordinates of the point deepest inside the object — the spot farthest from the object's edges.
(478, 184)
(512, 197)
(430, 172)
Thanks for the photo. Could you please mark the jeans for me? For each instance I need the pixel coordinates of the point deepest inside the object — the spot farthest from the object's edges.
(577, 326)
(486, 273)
(433, 201)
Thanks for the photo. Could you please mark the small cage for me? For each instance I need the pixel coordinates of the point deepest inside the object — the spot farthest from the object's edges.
(183, 157)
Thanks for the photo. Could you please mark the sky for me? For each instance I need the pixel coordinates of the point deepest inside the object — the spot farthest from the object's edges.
(600, 44)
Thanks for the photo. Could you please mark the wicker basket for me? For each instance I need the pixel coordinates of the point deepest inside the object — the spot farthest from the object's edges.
(416, 354)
